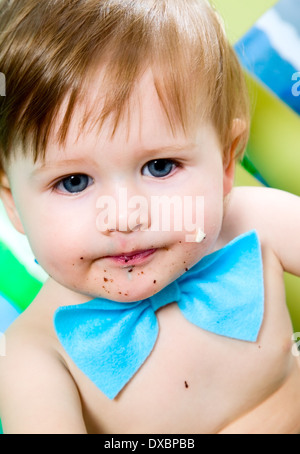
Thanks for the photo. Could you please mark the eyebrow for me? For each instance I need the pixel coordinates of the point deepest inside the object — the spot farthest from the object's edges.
(169, 149)
(56, 165)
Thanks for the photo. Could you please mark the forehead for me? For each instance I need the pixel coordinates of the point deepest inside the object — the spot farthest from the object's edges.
(143, 124)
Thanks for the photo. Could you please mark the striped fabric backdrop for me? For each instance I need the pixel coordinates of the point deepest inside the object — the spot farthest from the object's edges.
(271, 51)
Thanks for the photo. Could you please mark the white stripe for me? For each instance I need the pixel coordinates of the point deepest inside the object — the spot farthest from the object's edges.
(283, 36)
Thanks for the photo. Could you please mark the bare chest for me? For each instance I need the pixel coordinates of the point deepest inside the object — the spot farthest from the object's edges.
(195, 381)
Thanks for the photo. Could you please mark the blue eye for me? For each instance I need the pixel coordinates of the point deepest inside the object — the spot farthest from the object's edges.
(74, 184)
(159, 168)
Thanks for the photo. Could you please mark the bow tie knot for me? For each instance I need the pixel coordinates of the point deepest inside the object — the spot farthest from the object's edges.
(223, 293)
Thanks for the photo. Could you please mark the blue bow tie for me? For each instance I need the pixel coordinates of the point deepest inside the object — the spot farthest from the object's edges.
(223, 294)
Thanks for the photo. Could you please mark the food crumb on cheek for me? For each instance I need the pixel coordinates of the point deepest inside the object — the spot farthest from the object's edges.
(107, 291)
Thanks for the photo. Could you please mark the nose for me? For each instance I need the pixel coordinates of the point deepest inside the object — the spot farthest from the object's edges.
(122, 211)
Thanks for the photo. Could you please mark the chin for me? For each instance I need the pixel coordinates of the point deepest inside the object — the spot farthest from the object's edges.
(136, 292)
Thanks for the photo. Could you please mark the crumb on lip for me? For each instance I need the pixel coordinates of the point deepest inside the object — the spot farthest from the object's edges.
(129, 271)
(128, 267)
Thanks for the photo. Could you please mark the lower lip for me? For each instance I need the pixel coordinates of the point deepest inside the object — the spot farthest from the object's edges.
(136, 259)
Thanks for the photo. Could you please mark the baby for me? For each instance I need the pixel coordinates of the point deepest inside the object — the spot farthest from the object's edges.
(164, 311)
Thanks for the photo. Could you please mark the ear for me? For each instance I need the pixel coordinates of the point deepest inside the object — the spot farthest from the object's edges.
(9, 203)
(237, 131)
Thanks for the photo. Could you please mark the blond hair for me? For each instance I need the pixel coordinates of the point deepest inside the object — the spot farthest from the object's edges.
(49, 46)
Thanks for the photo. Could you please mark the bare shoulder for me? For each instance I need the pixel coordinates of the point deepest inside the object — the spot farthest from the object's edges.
(275, 215)
(261, 195)
(37, 393)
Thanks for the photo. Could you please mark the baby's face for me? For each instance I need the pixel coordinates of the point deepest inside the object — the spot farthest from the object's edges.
(91, 210)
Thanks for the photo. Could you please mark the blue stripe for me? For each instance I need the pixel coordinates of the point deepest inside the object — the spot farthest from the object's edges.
(257, 55)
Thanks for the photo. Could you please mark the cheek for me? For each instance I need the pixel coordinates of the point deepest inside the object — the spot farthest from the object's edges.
(209, 211)
(54, 239)
(214, 198)
(213, 216)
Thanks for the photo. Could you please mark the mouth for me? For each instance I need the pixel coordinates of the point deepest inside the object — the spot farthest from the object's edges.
(132, 258)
